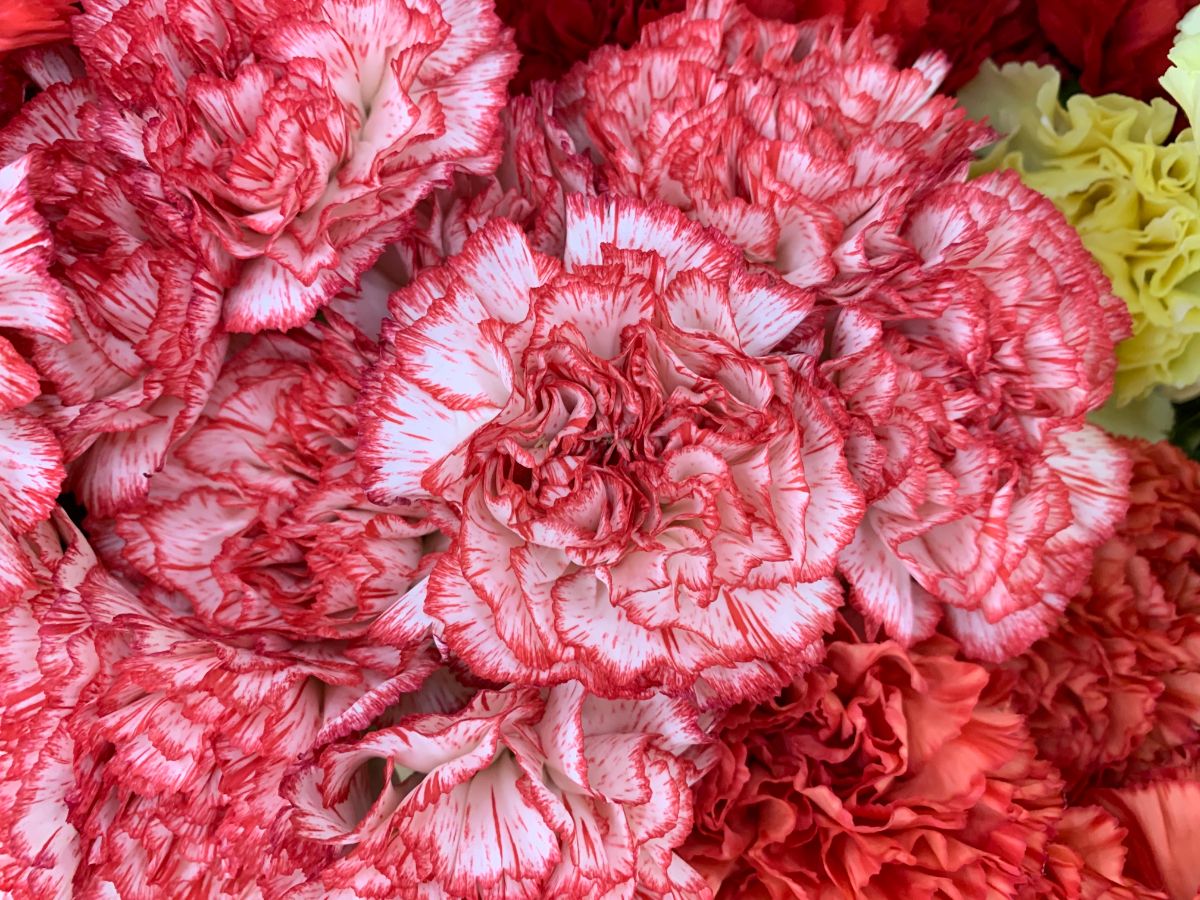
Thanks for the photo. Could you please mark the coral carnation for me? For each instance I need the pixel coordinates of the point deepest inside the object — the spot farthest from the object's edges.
(299, 134)
(643, 497)
(522, 794)
(1114, 691)
(881, 773)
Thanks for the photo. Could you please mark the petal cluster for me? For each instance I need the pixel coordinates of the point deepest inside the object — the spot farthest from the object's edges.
(521, 793)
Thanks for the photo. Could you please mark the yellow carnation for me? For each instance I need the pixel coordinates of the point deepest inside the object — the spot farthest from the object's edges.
(1133, 196)
(1182, 80)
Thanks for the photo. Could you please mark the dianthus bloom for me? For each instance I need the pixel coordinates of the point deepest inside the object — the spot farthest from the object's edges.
(645, 499)
(259, 516)
(145, 342)
(1086, 860)
(147, 753)
(31, 304)
(967, 330)
(299, 134)
(881, 773)
(1131, 193)
(521, 794)
(1114, 691)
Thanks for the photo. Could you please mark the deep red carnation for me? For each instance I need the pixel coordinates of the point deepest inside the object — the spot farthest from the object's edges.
(1114, 691)
(298, 134)
(1107, 46)
(26, 23)
(643, 498)
(967, 329)
(881, 773)
(520, 795)
(553, 35)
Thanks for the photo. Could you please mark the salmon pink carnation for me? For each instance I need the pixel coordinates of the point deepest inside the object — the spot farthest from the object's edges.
(298, 134)
(26, 23)
(645, 498)
(522, 794)
(1114, 691)
(881, 773)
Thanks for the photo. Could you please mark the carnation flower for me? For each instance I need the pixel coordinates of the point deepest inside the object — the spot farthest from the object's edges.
(803, 144)
(643, 497)
(26, 23)
(968, 331)
(1114, 691)
(166, 745)
(31, 305)
(553, 35)
(302, 135)
(1163, 821)
(1086, 860)
(1131, 194)
(259, 516)
(524, 793)
(881, 773)
(47, 662)
(144, 344)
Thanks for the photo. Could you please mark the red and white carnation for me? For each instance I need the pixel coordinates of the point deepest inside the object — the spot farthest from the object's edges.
(644, 498)
(521, 794)
(48, 661)
(299, 134)
(259, 516)
(144, 344)
(967, 329)
(32, 306)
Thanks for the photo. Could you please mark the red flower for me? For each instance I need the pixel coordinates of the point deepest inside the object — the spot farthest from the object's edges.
(881, 773)
(1108, 46)
(553, 35)
(645, 498)
(520, 795)
(1115, 689)
(25, 23)
(968, 330)
(301, 136)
